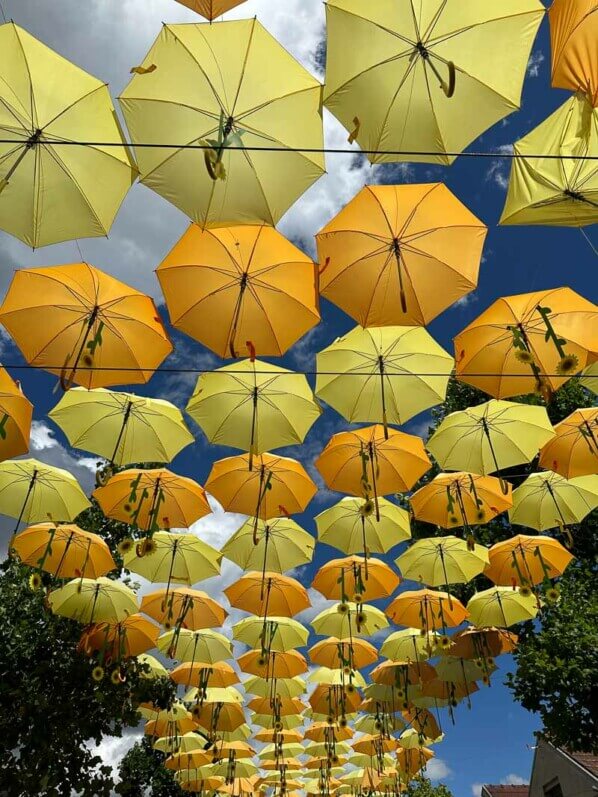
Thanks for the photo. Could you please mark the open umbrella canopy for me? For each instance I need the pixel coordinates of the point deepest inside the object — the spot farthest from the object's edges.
(271, 634)
(201, 90)
(525, 343)
(383, 374)
(275, 665)
(210, 9)
(409, 645)
(259, 286)
(268, 594)
(45, 98)
(206, 646)
(490, 437)
(115, 641)
(414, 249)
(351, 527)
(97, 331)
(283, 687)
(426, 609)
(439, 561)
(346, 620)
(89, 600)
(589, 378)
(65, 550)
(121, 427)
(33, 492)
(184, 607)
(414, 79)
(460, 499)
(277, 545)
(547, 501)
(355, 578)
(153, 499)
(573, 34)
(274, 486)
(150, 666)
(552, 179)
(574, 450)
(184, 743)
(254, 406)
(482, 643)
(502, 606)
(334, 653)
(173, 558)
(337, 677)
(15, 418)
(215, 674)
(525, 559)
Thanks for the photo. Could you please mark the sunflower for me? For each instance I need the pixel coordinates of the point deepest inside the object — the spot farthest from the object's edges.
(358, 598)
(196, 712)
(453, 520)
(525, 591)
(367, 508)
(567, 364)
(552, 594)
(445, 642)
(349, 688)
(486, 679)
(35, 581)
(146, 547)
(167, 625)
(342, 608)
(97, 673)
(480, 515)
(334, 759)
(524, 356)
(116, 677)
(124, 546)
(342, 723)
(347, 670)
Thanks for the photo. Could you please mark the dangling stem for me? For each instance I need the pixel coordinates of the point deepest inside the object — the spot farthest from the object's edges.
(503, 484)
(237, 315)
(384, 418)
(126, 416)
(253, 425)
(372, 456)
(66, 382)
(396, 250)
(27, 496)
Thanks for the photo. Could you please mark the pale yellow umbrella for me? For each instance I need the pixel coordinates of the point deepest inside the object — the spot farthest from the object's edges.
(410, 644)
(206, 645)
(91, 600)
(547, 501)
(502, 607)
(278, 544)
(277, 634)
(173, 558)
(348, 619)
(50, 189)
(440, 561)
(210, 9)
(589, 378)
(350, 526)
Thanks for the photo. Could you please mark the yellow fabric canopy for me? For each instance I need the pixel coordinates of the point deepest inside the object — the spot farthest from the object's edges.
(573, 35)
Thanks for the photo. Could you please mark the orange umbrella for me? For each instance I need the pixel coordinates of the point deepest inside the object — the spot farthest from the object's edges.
(365, 463)
(426, 609)
(374, 745)
(335, 700)
(272, 736)
(219, 716)
(96, 330)
(174, 728)
(268, 594)
(210, 9)
(192, 760)
(574, 33)
(398, 673)
(276, 665)
(460, 499)
(526, 560)
(413, 250)
(65, 551)
(525, 343)
(15, 418)
(275, 486)
(218, 674)
(153, 499)
(326, 732)
(482, 643)
(336, 653)
(447, 690)
(411, 761)
(259, 287)
(117, 641)
(574, 450)
(184, 607)
(281, 706)
(356, 579)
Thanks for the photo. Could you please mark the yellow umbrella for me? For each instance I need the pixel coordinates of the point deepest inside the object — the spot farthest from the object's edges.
(173, 558)
(573, 33)
(337, 677)
(151, 667)
(547, 501)
(416, 82)
(152, 499)
(205, 645)
(89, 600)
(259, 287)
(284, 687)
(15, 418)
(413, 249)
(278, 544)
(351, 527)
(409, 645)
(525, 560)
(492, 436)
(65, 551)
(383, 374)
(47, 100)
(117, 641)
(275, 486)
(531, 342)
(254, 406)
(35, 492)
(201, 91)
(210, 9)
(121, 427)
(556, 190)
(97, 331)
(276, 634)
(482, 643)
(345, 620)
(440, 561)
(185, 743)
(574, 450)
(184, 607)
(502, 606)
(589, 378)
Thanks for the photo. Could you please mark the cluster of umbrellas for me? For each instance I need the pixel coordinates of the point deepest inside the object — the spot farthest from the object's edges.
(393, 259)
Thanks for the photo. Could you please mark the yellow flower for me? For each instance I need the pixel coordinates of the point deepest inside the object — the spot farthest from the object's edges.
(367, 508)
(124, 546)
(453, 520)
(480, 515)
(342, 723)
(146, 547)
(116, 677)
(525, 591)
(35, 581)
(524, 356)
(97, 673)
(552, 594)
(342, 608)
(358, 597)
(445, 642)
(567, 364)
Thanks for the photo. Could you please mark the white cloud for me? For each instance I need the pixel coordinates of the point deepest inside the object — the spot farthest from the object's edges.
(112, 749)
(476, 789)
(437, 769)
(534, 63)
(465, 301)
(514, 780)
(498, 171)
(45, 447)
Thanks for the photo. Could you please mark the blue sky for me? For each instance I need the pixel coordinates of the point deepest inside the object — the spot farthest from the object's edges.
(492, 742)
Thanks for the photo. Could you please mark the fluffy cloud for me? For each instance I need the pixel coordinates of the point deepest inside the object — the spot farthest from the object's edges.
(437, 769)
(44, 446)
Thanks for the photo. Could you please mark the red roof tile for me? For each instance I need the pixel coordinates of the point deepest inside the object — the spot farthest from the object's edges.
(506, 791)
(586, 760)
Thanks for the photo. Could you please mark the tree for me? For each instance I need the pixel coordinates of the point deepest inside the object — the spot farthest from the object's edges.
(142, 772)
(422, 787)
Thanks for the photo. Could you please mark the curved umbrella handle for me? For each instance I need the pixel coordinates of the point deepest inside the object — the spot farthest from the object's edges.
(449, 89)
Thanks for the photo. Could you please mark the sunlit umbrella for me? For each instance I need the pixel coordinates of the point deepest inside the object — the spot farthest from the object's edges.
(492, 436)
(426, 609)
(184, 607)
(546, 500)
(416, 82)
(96, 330)
(401, 674)
(355, 578)
(15, 418)
(272, 736)
(121, 427)
(502, 606)
(254, 406)
(460, 499)
(185, 743)
(413, 249)
(32, 491)
(275, 486)
(46, 98)
(271, 634)
(348, 619)
(210, 9)
(573, 34)
(219, 716)
(201, 91)
(275, 665)
(324, 732)
(439, 561)
(334, 653)
(65, 551)
(482, 643)
(205, 645)
(589, 378)
(240, 289)
(117, 641)
(152, 499)
(191, 760)
(337, 676)
(409, 645)
(525, 343)
(525, 559)
(458, 671)
(204, 675)
(278, 544)
(268, 594)
(574, 450)
(552, 179)
(383, 374)
(93, 600)
(284, 687)
(150, 666)
(350, 526)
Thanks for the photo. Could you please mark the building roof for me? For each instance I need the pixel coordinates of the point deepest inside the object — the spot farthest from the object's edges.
(585, 760)
(505, 791)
